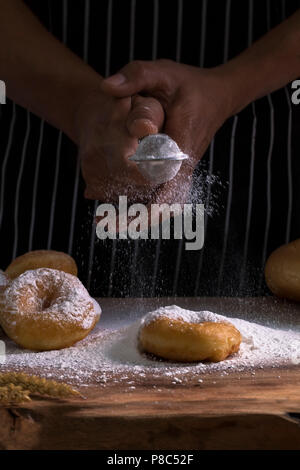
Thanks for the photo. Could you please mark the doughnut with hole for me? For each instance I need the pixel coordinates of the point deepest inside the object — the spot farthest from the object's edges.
(46, 309)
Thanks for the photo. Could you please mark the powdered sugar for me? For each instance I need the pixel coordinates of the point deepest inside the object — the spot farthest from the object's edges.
(3, 280)
(112, 356)
(177, 313)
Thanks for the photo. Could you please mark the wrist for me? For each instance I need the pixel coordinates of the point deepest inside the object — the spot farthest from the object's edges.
(89, 97)
(238, 86)
(216, 85)
(266, 66)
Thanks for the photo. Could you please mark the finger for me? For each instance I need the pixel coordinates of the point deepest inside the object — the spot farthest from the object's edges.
(146, 117)
(135, 77)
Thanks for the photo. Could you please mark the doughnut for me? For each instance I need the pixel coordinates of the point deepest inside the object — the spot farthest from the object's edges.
(46, 309)
(41, 259)
(179, 337)
(282, 271)
(4, 281)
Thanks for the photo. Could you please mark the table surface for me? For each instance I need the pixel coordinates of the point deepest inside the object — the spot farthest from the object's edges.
(235, 411)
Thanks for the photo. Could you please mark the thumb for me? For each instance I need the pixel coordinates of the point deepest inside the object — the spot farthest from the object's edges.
(146, 117)
(134, 78)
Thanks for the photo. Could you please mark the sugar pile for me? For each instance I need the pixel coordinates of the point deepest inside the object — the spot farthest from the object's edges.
(113, 356)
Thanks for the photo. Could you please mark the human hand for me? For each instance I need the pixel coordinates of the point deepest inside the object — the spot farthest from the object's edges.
(108, 130)
(196, 103)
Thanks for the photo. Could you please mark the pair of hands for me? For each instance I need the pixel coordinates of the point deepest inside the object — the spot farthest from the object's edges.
(187, 103)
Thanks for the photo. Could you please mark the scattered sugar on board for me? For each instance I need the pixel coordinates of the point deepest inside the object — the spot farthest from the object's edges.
(112, 356)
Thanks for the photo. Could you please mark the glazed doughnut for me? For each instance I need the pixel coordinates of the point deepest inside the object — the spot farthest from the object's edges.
(175, 336)
(41, 259)
(47, 309)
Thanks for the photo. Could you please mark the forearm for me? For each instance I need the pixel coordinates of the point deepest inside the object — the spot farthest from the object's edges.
(266, 66)
(40, 73)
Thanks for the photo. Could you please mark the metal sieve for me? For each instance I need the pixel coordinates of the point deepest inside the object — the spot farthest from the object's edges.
(158, 158)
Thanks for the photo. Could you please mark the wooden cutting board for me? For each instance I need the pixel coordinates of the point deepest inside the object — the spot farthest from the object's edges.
(246, 410)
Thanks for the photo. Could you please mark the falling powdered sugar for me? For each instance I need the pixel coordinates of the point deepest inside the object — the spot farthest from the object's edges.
(112, 356)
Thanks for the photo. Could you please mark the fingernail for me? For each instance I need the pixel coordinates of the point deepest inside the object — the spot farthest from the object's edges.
(116, 80)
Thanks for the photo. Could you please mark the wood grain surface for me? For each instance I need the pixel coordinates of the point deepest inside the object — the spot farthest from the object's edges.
(246, 410)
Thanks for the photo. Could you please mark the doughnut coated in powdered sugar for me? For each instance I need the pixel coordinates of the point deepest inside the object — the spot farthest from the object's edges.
(70, 302)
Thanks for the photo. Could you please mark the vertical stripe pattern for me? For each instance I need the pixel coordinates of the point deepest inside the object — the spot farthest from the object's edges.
(231, 156)
(252, 161)
(18, 186)
(280, 120)
(178, 57)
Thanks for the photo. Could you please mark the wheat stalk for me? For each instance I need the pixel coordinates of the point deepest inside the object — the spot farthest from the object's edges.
(11, 393)
(38, 385)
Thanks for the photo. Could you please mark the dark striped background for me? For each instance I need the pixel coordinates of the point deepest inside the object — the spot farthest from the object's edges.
(255, 155)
